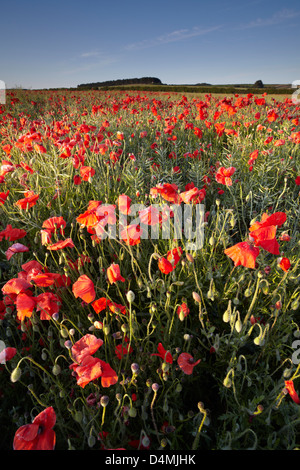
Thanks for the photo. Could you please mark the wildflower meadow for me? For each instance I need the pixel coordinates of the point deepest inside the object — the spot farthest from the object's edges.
(149, 271)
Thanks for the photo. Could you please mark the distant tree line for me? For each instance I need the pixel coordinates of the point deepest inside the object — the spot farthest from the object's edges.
(123, 81)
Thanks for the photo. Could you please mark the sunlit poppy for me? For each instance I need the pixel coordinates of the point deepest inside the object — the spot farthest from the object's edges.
(67, 243)
(165, 266)
(284, 264)
(3, 196)
(168, 191)
(131, 234)
(289, 385)
(243, 254)
(54, 224)
(85, 346)
(25, 305)
(29, 201)
(100, 304)
(15, 286)
(39, 435)
(48, 304)
(12, 234)
(187, 363)
(223, 175)
(92, 368)
(84, 288)
(86, 172)
(124, 204)
(114, 274)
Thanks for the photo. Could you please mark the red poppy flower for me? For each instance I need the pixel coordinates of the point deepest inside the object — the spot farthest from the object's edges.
(42, 279)
(243, 253)
(168, 191)
(191, 195)
(88, 219)
(182, 311)
(165, 355)
(86, 172)
(25, 305)
(265, 237)
(289, 385)
(100, 304)
(39, 435)
(165, 266)
(7, 354)
(92, 368)
(53, 224)
(122, 350)
(86, 346)
(277, 219)
(284, 264)
(114, 274)
(48, 304)
(12, 234)
(117, 308)
(187, 363)
(124, 204)
(15, 248)
(297, 181)
(15, 286)
(29, 201)
(131, 234)
(67, 243)
(84, 288)
(174, 255)
(223, 175)
(3, 196)
(149, 216)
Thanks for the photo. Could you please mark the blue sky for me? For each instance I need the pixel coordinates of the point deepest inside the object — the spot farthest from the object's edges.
(65, 43)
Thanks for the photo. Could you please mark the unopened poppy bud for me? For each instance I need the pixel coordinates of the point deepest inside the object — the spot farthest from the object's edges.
(68, 344)
(227, 382)
(132, 412)
(104, 400)
(130, 296)
(190, 257)
(201, 406)
(163, 443)
(196, 297)
(56, 370)
(64, 333)
(15, 375)
(135, 368)
(106, 329)
(91, 441)
(238, 326)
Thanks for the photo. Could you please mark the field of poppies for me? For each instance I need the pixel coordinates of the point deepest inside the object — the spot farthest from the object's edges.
(116, 333)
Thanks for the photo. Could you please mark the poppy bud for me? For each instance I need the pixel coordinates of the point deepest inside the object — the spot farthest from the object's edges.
(15, 375)
(130, 296)
(56, 370)
(104, 401)
(227, 382)
(132, 412)
(196, 297)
